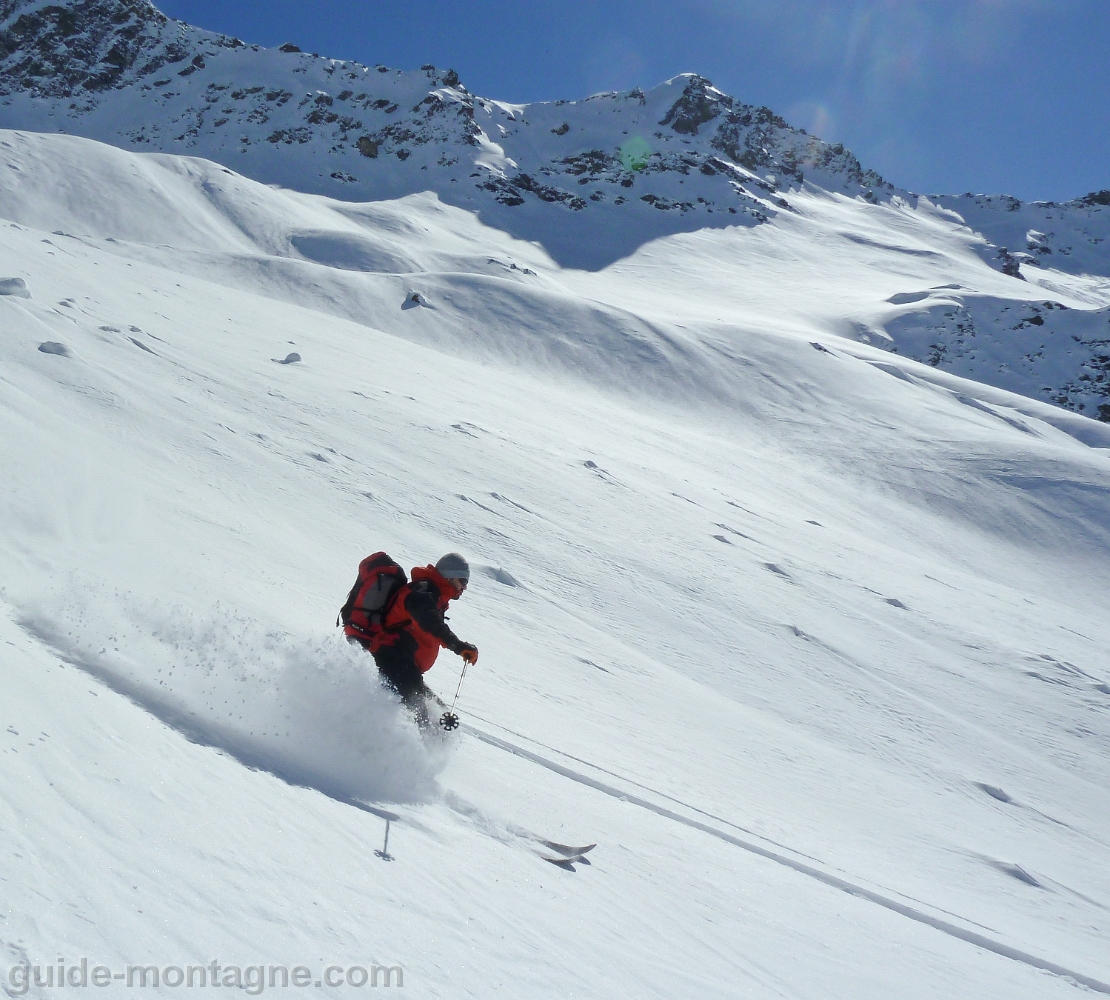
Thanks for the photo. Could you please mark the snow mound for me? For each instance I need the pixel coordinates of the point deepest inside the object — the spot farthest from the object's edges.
(14, 286)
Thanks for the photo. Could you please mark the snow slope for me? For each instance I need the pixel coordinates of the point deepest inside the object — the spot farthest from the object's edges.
(808, 636)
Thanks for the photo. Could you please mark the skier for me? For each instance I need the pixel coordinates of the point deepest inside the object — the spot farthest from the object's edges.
(414, 629)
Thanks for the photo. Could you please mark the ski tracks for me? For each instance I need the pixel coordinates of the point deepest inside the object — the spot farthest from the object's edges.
(844, 885)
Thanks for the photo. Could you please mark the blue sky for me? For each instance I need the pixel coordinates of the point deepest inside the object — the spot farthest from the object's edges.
(996, 96)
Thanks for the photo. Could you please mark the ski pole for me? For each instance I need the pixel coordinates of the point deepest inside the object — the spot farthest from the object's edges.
(449, 720)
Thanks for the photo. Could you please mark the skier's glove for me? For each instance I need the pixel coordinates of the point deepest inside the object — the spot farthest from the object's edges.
(469, 654)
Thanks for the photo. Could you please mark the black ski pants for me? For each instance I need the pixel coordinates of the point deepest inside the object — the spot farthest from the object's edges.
(397, 667)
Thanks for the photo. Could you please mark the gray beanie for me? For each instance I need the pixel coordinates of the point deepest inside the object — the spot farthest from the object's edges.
(453, 567)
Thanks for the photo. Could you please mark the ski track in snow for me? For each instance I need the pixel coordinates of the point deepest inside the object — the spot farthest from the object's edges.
(852, 888)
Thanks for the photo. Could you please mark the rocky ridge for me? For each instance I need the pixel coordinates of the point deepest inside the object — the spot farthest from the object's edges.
(122, 72)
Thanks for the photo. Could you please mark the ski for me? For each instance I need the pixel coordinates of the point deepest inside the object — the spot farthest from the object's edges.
(566, 861)
(565, 849)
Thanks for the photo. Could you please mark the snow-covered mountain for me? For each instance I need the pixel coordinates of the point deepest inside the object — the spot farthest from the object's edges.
(590, 180)
(121, 72)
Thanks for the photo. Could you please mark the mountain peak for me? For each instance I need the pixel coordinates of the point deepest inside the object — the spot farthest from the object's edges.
(680, 156)
(699, 104)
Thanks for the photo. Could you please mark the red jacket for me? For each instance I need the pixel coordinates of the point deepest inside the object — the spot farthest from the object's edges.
(418, 610)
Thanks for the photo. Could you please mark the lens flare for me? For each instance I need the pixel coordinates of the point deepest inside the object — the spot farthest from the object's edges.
(635, 153)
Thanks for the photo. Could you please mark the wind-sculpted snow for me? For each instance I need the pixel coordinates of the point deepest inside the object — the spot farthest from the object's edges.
(1073, 237)
(1027, 346)
(311, 711)
(901, 275)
